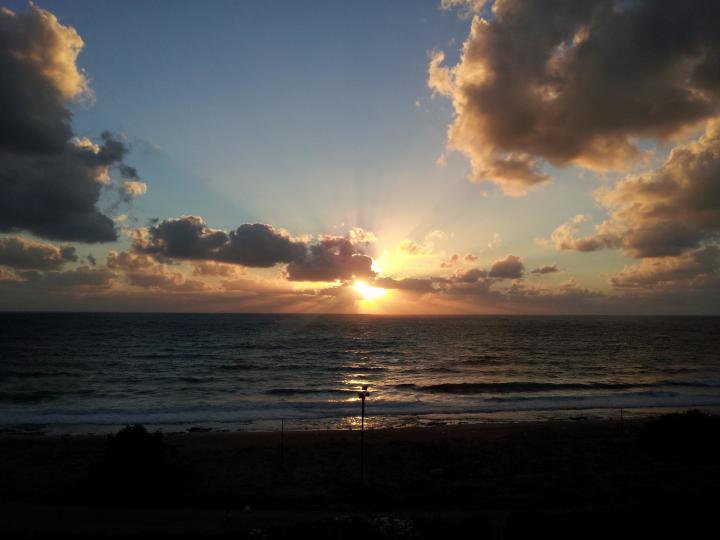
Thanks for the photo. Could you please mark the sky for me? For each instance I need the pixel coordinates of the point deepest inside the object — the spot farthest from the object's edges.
(389, 157)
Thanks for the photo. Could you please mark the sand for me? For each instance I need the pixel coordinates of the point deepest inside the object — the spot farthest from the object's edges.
(237, 482)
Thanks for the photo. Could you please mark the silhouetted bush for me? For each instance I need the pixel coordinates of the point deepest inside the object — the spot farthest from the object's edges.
(692, 435)
(138, 468)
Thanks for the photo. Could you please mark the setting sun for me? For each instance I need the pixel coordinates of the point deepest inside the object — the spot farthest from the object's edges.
(369, 292)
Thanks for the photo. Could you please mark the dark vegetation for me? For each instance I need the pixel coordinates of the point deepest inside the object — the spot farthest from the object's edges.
(138, 468)
(689, 436)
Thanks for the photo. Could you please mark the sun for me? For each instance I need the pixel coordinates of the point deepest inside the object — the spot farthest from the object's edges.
(369, 292)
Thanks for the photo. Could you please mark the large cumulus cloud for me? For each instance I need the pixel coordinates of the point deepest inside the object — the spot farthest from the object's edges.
(674, 208)
(50, 180)
(671, 212)
(188, 237)
(77, 280)
(334, 258)
(258, 245)
(511, 267)
(577, 82)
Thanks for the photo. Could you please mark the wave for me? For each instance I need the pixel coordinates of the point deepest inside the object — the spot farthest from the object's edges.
(300, 391)
(39, 396)
(16, 374)
(560, 399)
(259, 416)
(526, 386)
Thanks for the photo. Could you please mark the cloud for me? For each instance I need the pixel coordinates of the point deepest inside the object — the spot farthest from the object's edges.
(496, 241)
(686, 269)
(81, 278)
(50, 180)
(452, 261)
(469, 276)
(357, 235)
(468, 7)
(331, 259)
(18, 252)
(663, 212)
(165, 280)
(424, 247)
(675, 207)
(546, 269)
(577, 84)
(455, 260)
(143, 271)
(128, 261)
(134, 188)
(415, 285)
(511, 267)
(410, 247)
(253, 245)
(213, 269)
(259, 246)
(564, 236)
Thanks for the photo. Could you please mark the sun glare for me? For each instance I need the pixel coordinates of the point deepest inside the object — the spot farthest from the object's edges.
(369, 292)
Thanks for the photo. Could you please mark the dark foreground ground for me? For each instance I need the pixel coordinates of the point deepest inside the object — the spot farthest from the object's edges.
(574, 479)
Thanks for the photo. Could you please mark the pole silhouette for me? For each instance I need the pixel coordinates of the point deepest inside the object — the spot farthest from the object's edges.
(362, 395)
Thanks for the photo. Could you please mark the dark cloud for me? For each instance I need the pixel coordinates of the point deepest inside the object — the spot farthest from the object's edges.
(333, 258)
(469, 276)
(258, 246)
(511, 267)
(188, 237)
(128, 172)
(577, 82)
(661, 239)
(65, 281)
(17, 252)
(50, 180)
(546, 269)
(261, 245)
(465, 282)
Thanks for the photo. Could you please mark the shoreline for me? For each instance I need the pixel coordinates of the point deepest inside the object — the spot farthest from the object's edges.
(351, 423)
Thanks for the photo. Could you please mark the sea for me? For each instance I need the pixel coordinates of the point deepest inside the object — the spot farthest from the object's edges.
(90, 372)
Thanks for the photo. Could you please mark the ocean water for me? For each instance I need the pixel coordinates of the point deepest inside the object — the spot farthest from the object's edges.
(95, 372)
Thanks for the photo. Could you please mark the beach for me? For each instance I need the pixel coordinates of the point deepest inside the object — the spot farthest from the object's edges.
(492, 475)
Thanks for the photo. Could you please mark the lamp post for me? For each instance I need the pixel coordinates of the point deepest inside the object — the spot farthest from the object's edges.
(362, 395)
